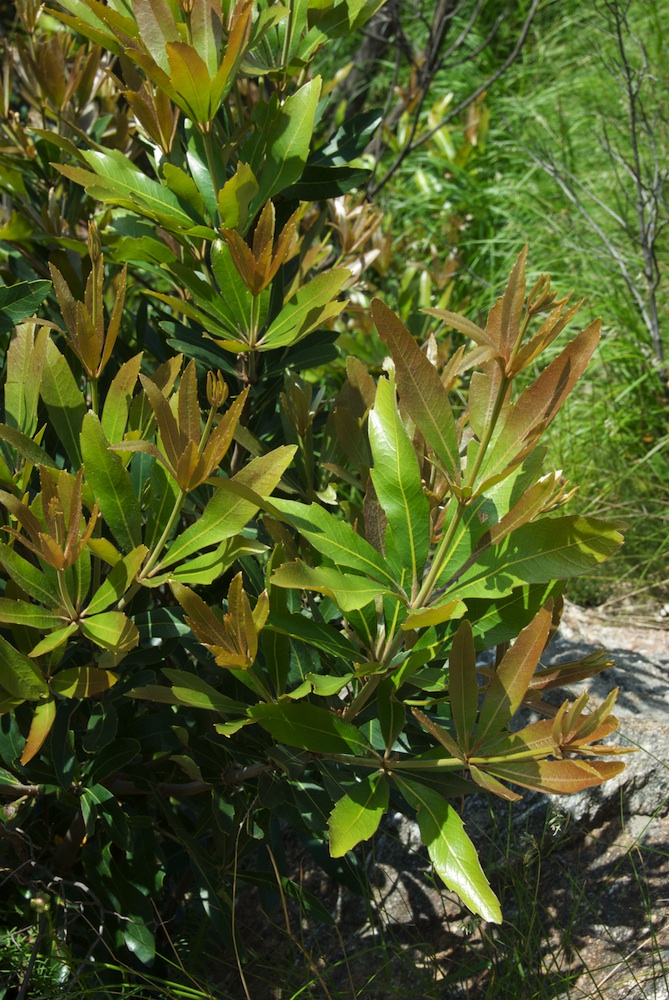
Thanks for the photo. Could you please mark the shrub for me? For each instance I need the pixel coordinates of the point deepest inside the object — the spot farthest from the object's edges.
(233, 594)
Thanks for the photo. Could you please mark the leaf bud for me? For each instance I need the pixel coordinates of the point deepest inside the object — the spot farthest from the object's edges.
(217, 390)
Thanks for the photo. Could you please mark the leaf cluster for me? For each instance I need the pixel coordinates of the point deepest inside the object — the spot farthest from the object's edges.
(228, 596)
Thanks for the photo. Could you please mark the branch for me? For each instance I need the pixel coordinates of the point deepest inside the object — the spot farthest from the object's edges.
(412, 145)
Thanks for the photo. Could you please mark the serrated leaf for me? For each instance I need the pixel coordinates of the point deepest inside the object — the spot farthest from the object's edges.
(356, 816)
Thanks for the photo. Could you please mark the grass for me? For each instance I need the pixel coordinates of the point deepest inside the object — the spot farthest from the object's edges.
(585, 913)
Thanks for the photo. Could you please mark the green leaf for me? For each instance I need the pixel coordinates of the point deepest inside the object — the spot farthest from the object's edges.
(311, 305)
(118, 582)
(64, 402)
(283, 145)
(357, 815)
(420, 389)
(552, 548)
(55, 639)
(310, 728)
(397, 482)
(111, 630)
(118, 400)
(156, 26)
(19, 301)
(111, 484)
(29, 578)
(350, 140)
(26, 447)
(317, 634)
(451, 851)
(227, 513)
(115, 180)
(19, 675)
(349, 592)
(462, 684)
(82, 682)
(189, 689)
(335, 538)
(25, 358)
(191, 81)
(15, 612)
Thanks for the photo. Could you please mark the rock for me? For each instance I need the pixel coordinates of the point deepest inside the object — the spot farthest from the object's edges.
(642, 709)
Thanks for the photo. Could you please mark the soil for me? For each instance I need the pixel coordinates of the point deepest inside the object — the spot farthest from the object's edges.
(586, 911)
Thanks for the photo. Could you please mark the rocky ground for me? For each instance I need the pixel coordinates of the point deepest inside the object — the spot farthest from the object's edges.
(584, 880)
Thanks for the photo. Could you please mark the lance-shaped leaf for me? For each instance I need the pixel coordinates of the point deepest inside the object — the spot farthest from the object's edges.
(336, 539)
(14, 612)
(111, 484)
(29, 578)
(118, 400)
(63, 400)
(316, 634)
(233, 637)
(279, 150)
(512, 678)
(397, 482)
(420, 389)
(82, 682)
(25, 358)
(552, 548)
(226, 513)
(310, 728)
(440, 734)
(156, 27)
(19, 675)
(348, 591)
(191, 81)
(26, 447)
(356, 816)
(503, 326)
(463, 688)
(531, 414)
(20, 300)
(558, 777)
(119, 581)
(451, 851)
(40, 726)
(312, 305)
(111, 630)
